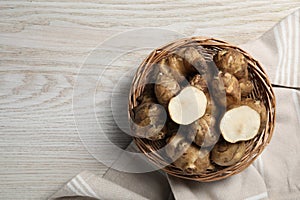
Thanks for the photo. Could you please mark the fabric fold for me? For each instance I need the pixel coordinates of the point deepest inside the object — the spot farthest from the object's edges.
(87, 184)
(247, 184)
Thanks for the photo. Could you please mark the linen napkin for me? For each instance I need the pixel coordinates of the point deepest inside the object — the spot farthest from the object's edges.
(275, 174)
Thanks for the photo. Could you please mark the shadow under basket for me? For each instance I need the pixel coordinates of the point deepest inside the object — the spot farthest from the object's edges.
(262, 91)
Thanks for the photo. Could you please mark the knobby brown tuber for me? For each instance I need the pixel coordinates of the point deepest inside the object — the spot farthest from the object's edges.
(149, 117)
(194, 59)
(226, 89)
(233, 62)
(149, 121)
(179, 70)
(189, 158)
(166, 86)
(204, 131)
(227, 154)
(193, 161)
(199, 82)
(246, 87)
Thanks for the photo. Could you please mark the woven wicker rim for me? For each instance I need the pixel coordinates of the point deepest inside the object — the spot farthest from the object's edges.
(262, 90)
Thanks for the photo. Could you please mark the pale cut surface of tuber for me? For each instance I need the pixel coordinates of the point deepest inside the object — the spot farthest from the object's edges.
(204, 131)
(240, 124)
(259, 107)
(200, 82)
(227, 154)
(233, 62)
(246, 87)
(188, 106)
(149, 121)
(226, 89)
(166, 86)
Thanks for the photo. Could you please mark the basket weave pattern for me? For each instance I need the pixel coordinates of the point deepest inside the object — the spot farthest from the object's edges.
(262, 91)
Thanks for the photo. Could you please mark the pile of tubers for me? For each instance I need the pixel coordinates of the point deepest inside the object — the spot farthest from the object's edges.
(201, 108)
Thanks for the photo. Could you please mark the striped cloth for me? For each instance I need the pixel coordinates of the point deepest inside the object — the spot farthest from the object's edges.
(278, 51)
(275, 174)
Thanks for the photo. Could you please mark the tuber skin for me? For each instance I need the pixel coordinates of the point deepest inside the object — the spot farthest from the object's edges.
(177, 145)
(233, 62)
(227, 154)
(166, 86)
(149, 121)
(194, 60)
(204, 131)
(149, 117)
(192, 160)
(246, 87)
(148, 95)
(226, 85)
(199, 82)
(179, 70)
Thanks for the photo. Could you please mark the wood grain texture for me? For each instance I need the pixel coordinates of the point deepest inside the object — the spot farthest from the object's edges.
(42, 46)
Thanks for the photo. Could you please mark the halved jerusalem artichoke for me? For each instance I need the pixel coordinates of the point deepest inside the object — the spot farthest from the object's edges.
(259, 107)
(188, 106)
(240, 123)
(226, 154)
(166, 86)
(233, 62)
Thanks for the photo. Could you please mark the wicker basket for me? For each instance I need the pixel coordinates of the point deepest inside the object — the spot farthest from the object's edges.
(262, 90)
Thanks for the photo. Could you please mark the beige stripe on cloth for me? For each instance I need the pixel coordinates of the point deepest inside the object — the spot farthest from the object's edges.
(274, 175)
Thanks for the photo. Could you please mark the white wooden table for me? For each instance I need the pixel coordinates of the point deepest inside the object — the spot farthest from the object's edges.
(42, 46)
